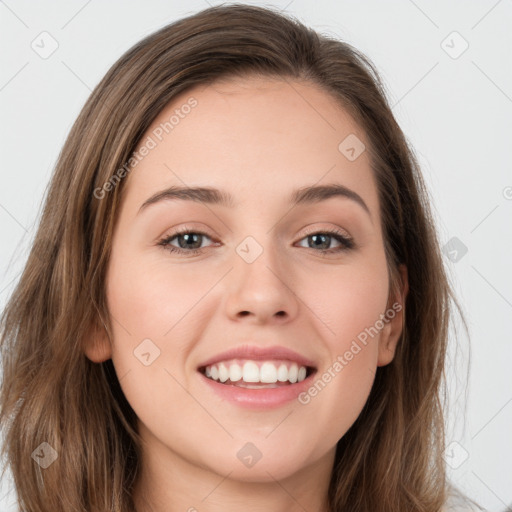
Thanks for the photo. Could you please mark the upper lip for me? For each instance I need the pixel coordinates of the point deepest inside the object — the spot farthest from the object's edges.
(259, 353)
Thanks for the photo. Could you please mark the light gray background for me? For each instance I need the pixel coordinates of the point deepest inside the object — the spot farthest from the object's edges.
(455, 109)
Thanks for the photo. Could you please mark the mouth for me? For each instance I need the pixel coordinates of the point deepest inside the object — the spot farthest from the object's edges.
(257, 374)
(260, 385)
(256, 377)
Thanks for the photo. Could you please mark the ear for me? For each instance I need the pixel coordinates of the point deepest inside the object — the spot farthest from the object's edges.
(97, 345)
(393, 323)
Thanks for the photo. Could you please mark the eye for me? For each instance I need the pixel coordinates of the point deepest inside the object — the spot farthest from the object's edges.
(322, 240)
(189, 241)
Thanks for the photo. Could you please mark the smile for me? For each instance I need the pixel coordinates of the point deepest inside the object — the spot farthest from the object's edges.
(255, 384)
(256, 374)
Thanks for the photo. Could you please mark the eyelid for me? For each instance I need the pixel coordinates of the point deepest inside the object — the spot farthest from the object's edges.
(186, 228)
(323, 229)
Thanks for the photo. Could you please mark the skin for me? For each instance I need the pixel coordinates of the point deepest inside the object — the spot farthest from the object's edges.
(258, 139)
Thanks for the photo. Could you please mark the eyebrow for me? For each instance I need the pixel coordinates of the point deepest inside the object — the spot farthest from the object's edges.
(210, 195)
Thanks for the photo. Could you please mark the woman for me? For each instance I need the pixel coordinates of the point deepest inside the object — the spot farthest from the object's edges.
(293, 358)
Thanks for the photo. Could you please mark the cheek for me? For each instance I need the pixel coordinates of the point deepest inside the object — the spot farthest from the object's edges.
(346, 300)
(347, 305)
(154, 323)
(154, 300)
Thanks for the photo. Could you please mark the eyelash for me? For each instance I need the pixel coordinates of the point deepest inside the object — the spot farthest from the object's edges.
(346, 242)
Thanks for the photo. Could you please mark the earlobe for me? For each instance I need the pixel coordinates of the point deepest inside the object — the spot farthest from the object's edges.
(393, 326)
(97, 345)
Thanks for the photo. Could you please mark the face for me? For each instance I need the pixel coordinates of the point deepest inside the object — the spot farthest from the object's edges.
(260, 270)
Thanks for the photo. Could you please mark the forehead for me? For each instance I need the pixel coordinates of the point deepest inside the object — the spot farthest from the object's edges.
(253, 136)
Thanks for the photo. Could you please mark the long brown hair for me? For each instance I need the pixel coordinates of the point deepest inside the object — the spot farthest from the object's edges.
(391, 458)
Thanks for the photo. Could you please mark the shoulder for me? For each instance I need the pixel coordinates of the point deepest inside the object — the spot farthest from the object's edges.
(458, 502)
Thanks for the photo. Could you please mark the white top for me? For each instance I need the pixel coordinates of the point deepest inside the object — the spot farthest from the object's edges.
(459, 503)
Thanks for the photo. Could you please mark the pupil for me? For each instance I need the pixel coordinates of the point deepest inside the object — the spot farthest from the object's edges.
(326, 245)
(187, 238)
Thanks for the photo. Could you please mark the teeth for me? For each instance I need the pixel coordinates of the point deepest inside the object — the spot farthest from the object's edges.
(282, 373)
(260, 372)
(293, 373)
(235, 372)
(268, 373)
(251, 372)
(223, 373)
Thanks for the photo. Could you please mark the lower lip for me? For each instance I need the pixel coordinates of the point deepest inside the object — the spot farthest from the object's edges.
(265, 398)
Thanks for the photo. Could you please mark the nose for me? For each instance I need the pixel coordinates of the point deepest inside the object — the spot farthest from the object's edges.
(262, 291)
